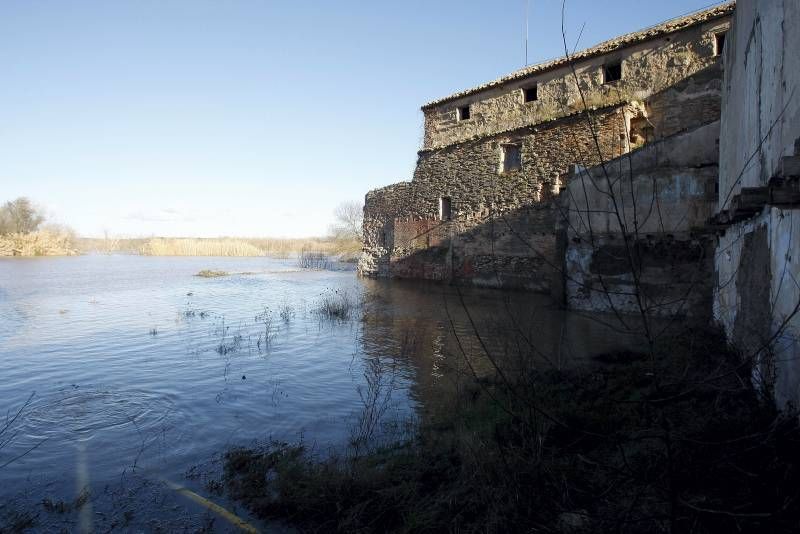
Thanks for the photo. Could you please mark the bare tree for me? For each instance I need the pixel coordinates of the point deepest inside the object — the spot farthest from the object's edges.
(349, 217)
(20, 216)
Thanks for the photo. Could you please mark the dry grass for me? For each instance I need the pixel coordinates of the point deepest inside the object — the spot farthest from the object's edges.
(223, 246)
(199, 247)
(41, 243)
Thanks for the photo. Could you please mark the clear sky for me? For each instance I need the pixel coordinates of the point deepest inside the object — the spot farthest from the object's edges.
(248, 117)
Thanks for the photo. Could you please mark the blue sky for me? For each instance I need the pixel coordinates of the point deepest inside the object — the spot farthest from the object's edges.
(248, 117)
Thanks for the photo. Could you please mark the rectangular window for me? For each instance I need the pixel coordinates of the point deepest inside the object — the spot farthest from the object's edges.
(445, 210)
(612, 72)
(463, 113)
(531, 94)
(510, 158)
(719, 44)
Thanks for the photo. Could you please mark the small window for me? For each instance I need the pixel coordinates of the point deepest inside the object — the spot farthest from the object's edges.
(463, 113)
(719, 44)
(612, 72)
(510, 158)
(445, 209)
(531, 94)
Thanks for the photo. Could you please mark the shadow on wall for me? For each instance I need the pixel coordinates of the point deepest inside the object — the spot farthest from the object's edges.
(490, 250)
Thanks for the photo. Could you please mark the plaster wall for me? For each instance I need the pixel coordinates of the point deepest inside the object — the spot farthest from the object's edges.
(756, 260)
(632, 229)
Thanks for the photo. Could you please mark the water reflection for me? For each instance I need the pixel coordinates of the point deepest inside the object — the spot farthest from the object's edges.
(142, 371)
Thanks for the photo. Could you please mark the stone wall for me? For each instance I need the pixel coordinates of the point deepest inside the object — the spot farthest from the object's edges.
(501, 232)
(757, 255)
(652, 61)
(633, 230)
(502, 227)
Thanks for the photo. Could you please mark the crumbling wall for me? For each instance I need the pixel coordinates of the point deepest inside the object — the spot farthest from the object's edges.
(756, 260)
(632, 228)
(652, 61)
(501, 230)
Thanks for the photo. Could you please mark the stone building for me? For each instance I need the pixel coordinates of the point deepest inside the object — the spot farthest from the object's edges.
(482, 207)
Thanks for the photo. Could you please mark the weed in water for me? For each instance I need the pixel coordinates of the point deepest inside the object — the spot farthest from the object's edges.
(313, 260)
(336, 304)
(286, 311)
(207, 273)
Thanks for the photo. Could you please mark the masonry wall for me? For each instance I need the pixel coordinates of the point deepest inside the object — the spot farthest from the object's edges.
(502, 232)
(648, 68)
(757, 258)
(662, 263)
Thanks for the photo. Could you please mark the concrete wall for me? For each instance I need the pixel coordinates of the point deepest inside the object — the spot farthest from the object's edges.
(757, 258)
(648, 67)
(661, 196)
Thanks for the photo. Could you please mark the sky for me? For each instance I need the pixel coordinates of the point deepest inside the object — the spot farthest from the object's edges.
(249, 117)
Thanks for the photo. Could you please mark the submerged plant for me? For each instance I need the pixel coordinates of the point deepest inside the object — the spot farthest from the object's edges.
(208, 273)
(336, 304)
(313, 260)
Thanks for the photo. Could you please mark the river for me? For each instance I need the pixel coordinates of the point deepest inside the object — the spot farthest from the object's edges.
(133, 375)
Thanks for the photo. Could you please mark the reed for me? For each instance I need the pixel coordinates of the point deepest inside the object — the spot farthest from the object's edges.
(41, 243)
(199, 247)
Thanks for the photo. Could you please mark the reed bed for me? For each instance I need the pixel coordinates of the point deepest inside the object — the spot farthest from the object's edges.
(224, 246)
(40, 243)
(200, 247)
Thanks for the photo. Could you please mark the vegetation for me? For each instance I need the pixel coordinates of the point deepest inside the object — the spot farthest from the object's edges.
(348, 222)
(199, 247)
(313, 260)
(336, 304)
(599, 449)
(22, 232)
(208, 273)
(223, 246)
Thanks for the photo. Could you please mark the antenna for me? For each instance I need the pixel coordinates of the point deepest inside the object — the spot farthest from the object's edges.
(527, 18)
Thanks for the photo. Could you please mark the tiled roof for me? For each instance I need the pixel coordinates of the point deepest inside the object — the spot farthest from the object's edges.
(611, 45)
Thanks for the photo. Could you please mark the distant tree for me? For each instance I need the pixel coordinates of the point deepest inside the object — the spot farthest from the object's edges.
(348, 217)
(19, 216)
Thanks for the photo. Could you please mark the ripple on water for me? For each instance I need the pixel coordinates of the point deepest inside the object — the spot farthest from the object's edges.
(76, 414)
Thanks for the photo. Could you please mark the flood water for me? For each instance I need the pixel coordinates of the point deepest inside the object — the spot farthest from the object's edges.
(140, 374)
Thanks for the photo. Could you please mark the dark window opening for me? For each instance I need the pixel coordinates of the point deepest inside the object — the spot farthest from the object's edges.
(612, 72)
(463, 113)
(719, 44)
(531, 94)
(445, 209)
(510, 158)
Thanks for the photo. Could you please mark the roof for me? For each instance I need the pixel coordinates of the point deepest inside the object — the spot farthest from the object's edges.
(605, 47)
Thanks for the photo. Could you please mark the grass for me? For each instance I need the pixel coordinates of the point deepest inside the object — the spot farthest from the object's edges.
(223, 246)
(199, 247)
(606, 448)
(41, 243)
(336, 304)
(208, 273)
(313, 260)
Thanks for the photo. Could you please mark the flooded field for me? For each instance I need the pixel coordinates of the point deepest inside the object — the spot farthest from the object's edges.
(124, 378)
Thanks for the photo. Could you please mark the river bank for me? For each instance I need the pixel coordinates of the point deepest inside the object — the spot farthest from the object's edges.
(679, 443)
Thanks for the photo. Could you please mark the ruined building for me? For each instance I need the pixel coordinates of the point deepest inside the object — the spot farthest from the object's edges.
(757, 260)
(483, 207)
